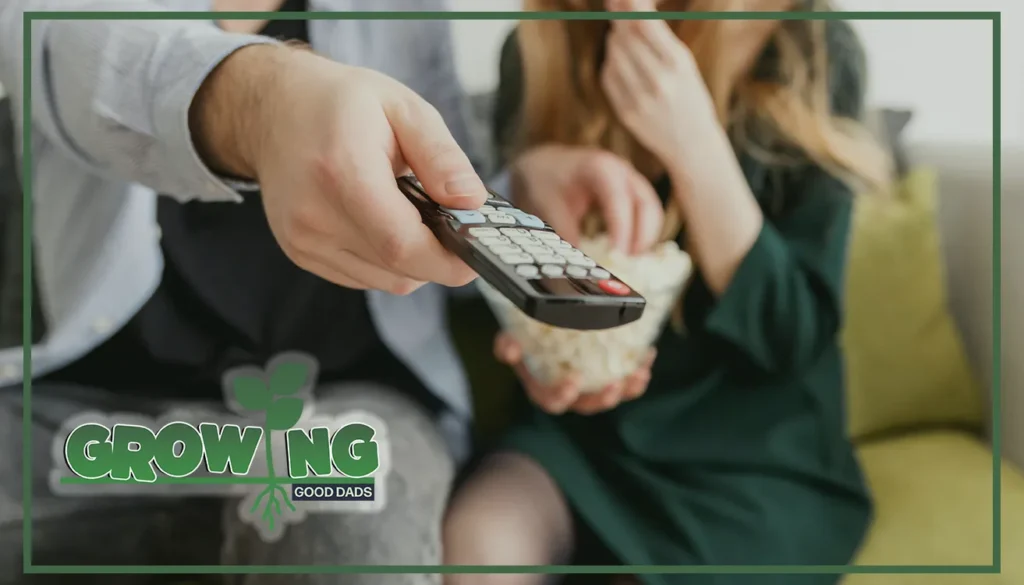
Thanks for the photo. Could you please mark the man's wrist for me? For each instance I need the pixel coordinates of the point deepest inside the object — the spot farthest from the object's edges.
(225, 113)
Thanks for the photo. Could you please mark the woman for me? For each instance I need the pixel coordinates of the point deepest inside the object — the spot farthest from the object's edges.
(737, 453)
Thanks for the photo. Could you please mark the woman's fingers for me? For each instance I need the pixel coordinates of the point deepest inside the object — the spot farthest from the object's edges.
(657, 39)
(629, 388)
(507, 350)
(607, 179)
(654, 36)
(648, 363)
(547, 398)
(554, 399)
(606, 399)
(560, 217)
(638, 54)
(636, 383)
(648, 214)
(565, 395)
(615, 85)
(640, 67)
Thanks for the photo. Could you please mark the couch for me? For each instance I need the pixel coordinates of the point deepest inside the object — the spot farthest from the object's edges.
(933, 490)
(932, 486)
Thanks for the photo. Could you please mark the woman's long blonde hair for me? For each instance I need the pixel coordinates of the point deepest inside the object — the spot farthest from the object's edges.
(784, 119)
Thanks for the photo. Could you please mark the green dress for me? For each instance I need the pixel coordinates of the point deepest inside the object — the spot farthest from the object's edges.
(737, 454)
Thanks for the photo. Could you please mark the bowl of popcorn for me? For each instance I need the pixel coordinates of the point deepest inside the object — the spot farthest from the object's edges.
(603, 356)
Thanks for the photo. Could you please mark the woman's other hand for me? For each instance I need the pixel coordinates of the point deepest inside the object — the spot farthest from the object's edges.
(565, 396)
(655, 87)
(563, 184)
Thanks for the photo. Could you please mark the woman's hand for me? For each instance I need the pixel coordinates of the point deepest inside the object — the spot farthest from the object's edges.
(652, 81)
(562, 184)
(565, 395)
(654, 85)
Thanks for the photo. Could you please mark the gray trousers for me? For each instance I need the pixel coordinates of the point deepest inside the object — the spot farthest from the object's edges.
(208, 530)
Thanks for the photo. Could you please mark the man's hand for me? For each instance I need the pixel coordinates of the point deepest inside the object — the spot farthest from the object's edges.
(565, 395)
(562, 184)
(325, 142)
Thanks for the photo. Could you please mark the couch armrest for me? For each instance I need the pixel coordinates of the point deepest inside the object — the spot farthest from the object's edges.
(965, 216)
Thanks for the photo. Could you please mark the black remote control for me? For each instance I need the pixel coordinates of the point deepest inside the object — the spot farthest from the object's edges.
(527, 262)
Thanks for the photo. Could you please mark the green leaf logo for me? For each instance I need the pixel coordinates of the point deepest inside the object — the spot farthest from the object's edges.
(288, 378)
(252, 393)
(283, 413)
(274, 394)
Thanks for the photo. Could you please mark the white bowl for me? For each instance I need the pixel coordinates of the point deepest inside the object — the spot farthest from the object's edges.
(604, 356)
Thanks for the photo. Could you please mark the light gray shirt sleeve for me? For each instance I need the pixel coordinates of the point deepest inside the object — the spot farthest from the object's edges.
(114, 95)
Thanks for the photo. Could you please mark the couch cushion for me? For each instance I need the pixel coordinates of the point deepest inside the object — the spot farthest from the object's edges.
(906, 364)
(933, 506)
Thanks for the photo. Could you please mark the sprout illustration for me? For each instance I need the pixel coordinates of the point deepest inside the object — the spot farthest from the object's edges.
(274, 396)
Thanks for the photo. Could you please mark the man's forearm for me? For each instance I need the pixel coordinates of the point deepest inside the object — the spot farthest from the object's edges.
(226, 116)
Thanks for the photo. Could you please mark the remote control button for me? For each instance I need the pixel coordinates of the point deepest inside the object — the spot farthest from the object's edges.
(561, 244)
(525, 242)
(569, 253)
(502, 249)
(576, 272)
(516, 259)
(514, 232)
(484, 232)
(495, 241)
(503, 218)
(600, 273)
(486, 209)
(538, 250)
(614, 287)
(528, 220)
(527, 271)
(546, 235)
(551, 270)
(582, 261)
(464, 216)
(550, 259)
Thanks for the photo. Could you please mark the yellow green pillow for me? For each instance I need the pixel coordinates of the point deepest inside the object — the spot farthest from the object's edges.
(906, 364)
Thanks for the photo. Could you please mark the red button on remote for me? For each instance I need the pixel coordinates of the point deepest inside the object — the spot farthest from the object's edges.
(613, 287)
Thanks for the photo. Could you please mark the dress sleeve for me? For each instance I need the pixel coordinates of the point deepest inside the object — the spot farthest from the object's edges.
(783, 306)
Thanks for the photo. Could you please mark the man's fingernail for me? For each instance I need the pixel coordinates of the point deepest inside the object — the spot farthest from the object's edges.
(464, 186)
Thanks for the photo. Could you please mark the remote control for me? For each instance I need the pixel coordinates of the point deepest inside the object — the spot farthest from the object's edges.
(527, 262)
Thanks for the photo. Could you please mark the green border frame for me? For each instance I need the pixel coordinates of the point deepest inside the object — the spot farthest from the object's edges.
(993, 17)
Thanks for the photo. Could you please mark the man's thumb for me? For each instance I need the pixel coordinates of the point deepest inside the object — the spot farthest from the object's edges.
(434, 156)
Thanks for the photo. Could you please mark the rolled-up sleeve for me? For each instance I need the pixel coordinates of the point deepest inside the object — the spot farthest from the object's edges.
(114, 95)
(783, 307)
